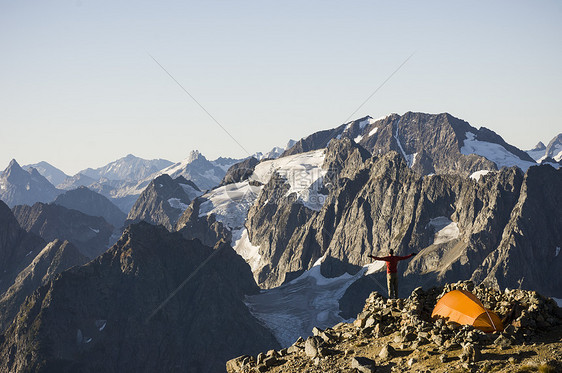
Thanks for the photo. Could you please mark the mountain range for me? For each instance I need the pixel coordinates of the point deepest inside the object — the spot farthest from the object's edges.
(223, 258)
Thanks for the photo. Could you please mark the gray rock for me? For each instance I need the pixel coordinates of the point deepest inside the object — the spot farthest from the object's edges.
(470, 353)
(270, 361)
(312, 346)
(363, 364)
(387, 352)
(503, 341)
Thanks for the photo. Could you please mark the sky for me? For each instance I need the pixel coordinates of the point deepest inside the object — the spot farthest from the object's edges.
(79, 88)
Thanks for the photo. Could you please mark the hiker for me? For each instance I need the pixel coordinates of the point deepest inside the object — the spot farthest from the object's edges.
(391, 271)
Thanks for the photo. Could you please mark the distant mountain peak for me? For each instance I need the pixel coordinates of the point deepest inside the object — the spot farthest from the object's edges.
(13, 163)
(193, 155)
(539, 146)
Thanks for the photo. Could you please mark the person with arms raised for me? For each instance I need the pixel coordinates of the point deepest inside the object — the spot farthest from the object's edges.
(392, 271)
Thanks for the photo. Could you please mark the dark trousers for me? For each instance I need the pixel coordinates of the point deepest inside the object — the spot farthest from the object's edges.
(392, 284)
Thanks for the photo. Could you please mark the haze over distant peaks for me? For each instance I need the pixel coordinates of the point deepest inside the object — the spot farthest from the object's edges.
(128, 168)
(552, 151)
(18, 186)
(50, 172)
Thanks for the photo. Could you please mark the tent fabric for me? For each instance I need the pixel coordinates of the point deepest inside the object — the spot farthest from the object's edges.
(463, 307)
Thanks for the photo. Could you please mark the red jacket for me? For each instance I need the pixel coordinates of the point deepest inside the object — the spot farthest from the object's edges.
(392, 261)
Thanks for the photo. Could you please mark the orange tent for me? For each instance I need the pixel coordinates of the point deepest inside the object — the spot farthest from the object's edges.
(463, 307)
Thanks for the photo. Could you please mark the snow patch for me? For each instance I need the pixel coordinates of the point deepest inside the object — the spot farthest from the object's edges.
(557, 251)
(445, 230)
(191, 192)
(410, 158)
(494, 152)
(177, 204)
(373, 131)
(364, 123)
(558, 301)
(293, 309)
(303, 172)
(230, 203)
(380, 118)
(94, 230)
(100, 324)
(358, 138)
(478, 174)
(245, 249)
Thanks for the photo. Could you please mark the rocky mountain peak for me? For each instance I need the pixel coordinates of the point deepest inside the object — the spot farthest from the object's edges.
(14, 171)
(163, 201)
(194, 155)
(539, 146)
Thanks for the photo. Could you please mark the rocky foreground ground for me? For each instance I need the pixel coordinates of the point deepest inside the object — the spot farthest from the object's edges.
(399, 336)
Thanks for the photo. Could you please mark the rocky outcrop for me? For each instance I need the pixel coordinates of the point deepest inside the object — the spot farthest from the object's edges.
(240, 171)
(153, 302)
(18, 186)
(56, 257)
(162, 202)
(400, 335)
(206, 229)
(92, 203)
(17, 247)
(90, 234)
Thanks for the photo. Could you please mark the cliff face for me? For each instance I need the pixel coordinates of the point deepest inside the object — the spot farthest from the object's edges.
(375, 204)
(109, 314)
(529, 251)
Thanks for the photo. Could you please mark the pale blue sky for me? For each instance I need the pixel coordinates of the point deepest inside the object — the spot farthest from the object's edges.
(78, 89)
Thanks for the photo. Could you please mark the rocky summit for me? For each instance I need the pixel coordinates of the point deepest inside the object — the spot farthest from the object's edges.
(163, 201)
(399, 335)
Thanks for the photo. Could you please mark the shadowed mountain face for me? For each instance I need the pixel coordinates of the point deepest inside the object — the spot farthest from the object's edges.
(96, 317)
(18, 186)
(56, 257)
(17, 247)
(92, 203)
(163, 201)
(49, 221)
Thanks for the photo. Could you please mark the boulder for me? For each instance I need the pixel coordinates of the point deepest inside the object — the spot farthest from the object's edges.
(363, 364)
